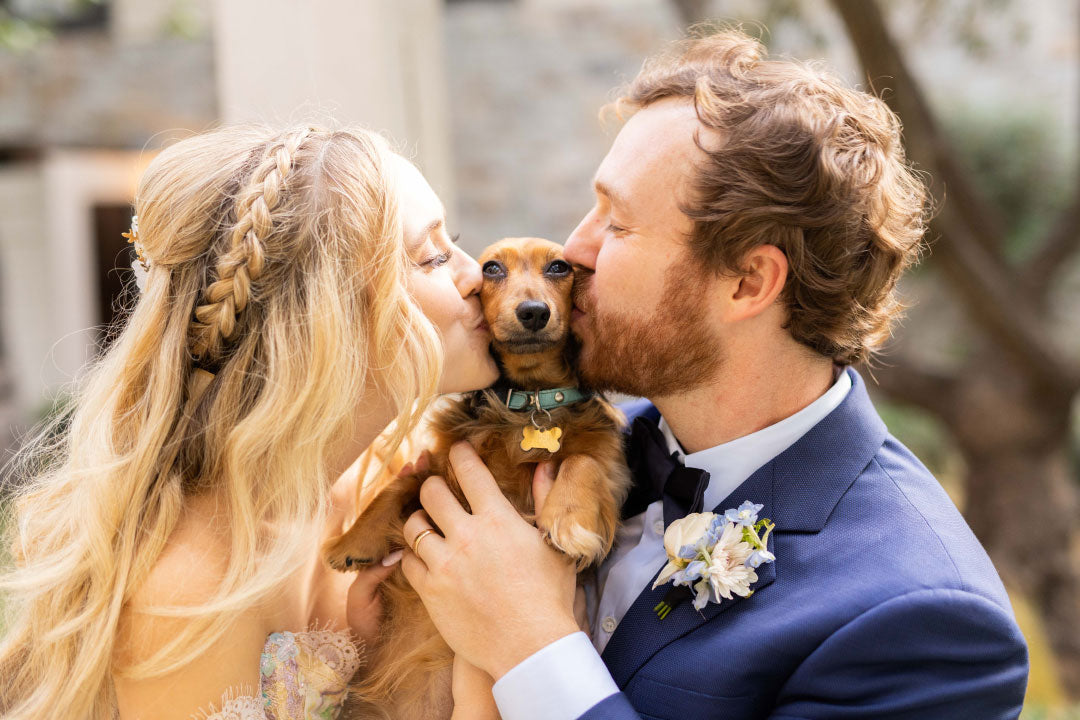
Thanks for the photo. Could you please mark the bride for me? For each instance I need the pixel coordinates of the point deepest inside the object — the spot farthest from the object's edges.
(302, 294)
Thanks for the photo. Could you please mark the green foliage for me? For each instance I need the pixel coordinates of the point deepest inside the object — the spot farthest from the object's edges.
(18, 35)
(925, 435)
(1016, 161)
(1038, 712)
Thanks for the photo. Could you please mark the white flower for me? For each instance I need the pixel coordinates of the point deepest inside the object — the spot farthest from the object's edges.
(727, 572)
(681, 540)
(686, 531)
(716, 555)
(140, 274)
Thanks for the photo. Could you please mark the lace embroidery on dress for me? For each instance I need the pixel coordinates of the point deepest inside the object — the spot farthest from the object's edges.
(303, 676)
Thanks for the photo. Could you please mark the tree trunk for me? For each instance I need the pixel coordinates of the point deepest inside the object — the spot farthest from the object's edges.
(1021, 497)
(1008, 405)
(1021, 504)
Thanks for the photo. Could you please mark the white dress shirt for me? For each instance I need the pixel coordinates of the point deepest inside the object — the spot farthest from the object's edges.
(566, 678)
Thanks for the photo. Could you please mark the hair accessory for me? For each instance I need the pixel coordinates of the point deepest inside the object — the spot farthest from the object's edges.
(140, 265)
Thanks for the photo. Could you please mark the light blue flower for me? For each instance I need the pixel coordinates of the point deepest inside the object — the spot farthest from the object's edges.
(693, 571)
(746, 515)
(688, 552)
(713, 532)
(759, 558)
(704, 593)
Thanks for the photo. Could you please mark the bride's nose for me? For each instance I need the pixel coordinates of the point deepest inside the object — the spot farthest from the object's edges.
(467, 275)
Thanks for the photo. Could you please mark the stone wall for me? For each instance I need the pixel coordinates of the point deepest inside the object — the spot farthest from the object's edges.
(526, 82)
(86, 90)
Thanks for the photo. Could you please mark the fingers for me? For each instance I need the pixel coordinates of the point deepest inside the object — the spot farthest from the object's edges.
(475, 479)
(543, 480)
(431, 547)
(419, 466)
(369, 578)
(441, 504)
(415, 571)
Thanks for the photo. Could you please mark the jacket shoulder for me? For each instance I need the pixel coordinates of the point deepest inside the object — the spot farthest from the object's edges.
(929, 545)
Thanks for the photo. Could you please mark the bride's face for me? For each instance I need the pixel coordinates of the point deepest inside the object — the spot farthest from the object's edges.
(445, 282)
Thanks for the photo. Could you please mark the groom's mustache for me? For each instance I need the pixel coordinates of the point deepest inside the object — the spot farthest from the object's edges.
(579, 294)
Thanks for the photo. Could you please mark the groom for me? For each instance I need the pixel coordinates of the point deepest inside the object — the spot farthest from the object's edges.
(751, 220)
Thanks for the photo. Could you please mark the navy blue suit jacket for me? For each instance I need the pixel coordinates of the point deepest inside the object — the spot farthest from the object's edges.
(881, 602)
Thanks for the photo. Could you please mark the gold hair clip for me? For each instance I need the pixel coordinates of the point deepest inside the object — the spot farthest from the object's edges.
(140, 266)
(132, 236)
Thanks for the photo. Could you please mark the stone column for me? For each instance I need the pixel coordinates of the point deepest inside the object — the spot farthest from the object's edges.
(372, 62)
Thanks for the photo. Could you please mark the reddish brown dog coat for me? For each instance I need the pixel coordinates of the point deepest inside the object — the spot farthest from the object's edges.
(526, 296)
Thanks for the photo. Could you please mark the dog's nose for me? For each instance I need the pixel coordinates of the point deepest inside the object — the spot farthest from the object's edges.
(533, 314)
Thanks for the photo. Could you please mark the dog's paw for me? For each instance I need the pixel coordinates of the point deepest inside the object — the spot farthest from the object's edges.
(580, 543)
(354, 550)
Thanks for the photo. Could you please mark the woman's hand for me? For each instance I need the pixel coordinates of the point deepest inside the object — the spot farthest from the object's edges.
(363, 606)
(472, 692)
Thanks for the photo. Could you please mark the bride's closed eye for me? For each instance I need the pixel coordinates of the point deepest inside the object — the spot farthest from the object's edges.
(437, 260)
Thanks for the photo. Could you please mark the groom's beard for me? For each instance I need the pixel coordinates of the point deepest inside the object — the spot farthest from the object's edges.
(672, 351)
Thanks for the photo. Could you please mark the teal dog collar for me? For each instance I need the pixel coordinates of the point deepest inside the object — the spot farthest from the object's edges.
(543, 399)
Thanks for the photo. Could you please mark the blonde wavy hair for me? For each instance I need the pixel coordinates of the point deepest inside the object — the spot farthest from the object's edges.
(277, 264)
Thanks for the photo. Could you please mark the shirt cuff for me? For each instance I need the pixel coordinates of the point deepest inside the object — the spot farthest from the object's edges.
(561, 681)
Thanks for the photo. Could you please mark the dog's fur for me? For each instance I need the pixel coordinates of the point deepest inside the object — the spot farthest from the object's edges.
(410, 668)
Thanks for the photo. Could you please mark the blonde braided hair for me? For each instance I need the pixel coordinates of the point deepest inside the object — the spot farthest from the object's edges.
(242, 263)
(306, 310)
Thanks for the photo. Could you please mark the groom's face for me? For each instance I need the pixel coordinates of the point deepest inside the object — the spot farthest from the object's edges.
(642, 314)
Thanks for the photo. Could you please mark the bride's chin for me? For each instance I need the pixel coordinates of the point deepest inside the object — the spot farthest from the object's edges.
(469, 371)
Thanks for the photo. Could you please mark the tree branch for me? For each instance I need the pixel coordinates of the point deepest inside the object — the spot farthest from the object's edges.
(691, 11)
(1061, 244)
(926, 143)
(902, 379)
(970, 240)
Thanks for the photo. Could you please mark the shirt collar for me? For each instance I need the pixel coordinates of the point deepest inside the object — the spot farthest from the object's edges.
(730, 463)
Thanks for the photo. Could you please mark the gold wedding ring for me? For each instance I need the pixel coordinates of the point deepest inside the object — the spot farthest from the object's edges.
(418, 538)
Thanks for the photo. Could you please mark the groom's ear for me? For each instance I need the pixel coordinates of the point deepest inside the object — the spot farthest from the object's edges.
(757, 286)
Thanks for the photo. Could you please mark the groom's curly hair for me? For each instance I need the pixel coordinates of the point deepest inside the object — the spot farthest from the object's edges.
(806, 164)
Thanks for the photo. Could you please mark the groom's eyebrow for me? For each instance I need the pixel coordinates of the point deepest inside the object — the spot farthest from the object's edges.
(613, 196)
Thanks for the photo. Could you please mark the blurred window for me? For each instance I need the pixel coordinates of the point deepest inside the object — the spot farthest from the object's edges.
(60, 15)
(116, 285)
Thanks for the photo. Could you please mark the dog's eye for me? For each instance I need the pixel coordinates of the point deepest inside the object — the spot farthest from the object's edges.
(557, 267)
(493, 269)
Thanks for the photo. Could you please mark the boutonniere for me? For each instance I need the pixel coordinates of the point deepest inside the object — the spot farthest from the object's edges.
(714, 555)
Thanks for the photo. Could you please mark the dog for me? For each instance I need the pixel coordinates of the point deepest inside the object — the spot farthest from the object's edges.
(536, 411)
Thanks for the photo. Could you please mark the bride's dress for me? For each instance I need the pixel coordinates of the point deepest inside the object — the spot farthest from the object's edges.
(304, 676)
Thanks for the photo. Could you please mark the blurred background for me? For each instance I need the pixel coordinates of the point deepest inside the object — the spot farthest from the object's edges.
(497, 101)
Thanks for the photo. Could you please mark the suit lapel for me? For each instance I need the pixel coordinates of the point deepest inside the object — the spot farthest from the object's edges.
(642, 634)
(799, 489)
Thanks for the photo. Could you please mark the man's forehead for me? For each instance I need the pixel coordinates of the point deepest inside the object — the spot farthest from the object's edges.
(654, 149)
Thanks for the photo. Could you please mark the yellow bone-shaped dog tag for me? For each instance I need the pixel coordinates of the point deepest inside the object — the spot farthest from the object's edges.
(536, 438)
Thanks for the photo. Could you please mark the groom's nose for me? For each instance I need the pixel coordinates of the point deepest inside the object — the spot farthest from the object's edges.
(583, 244)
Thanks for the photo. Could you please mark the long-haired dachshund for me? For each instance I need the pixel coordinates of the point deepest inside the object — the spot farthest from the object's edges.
(536, 411)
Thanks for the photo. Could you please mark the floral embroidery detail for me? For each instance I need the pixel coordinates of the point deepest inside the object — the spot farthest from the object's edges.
(715, 555)
(304, 676)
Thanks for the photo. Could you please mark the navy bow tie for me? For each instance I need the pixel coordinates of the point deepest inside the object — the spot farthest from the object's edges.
(658, 473)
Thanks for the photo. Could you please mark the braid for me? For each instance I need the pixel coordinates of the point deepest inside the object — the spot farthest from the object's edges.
(242, 263)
